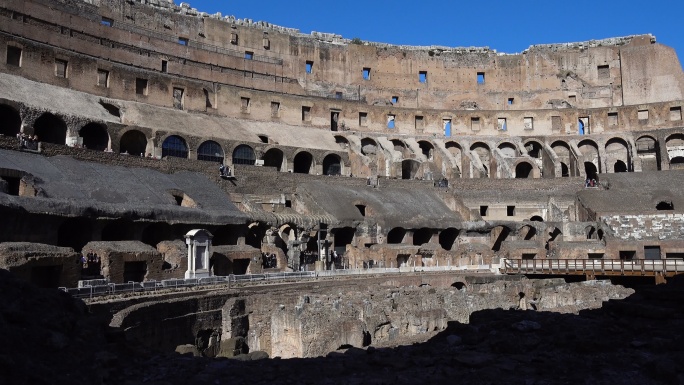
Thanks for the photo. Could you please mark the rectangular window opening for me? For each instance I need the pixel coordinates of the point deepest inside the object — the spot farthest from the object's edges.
(363, 119)
(366, 73)
(475, 123)
(484, 210)
(612, 118)
(480, 78)
(309, 66)
(334, 120)
(244, 104)
(595, 255)
(178, 98)
(501, 124)
(395, 100)
(676, 113)
(249, 55)
(103, 78)
(183, 41)
(306, 113)
(422, 76)
(390, 121)
(603, 71)
(510, 101)
(61, 68)
(674, 255)
(529, 123)
(627, 255)
(14, 56)
(107, 22)
(419, 122)
(446, 124)
(165, 66)
(528, 256)
(339, 95)
(642, 114)
(141, 86)
(275, 109)
(510, 211)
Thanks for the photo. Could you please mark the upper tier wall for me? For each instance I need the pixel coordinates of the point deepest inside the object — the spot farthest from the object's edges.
(587, 75)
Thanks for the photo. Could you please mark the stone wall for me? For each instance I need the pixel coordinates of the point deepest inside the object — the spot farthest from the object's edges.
(646, 226)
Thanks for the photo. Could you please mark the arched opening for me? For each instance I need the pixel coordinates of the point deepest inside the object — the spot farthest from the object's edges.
(447, 238)
(409, 169)
(528, 233)
(665, 205)
(422, 236)
(210, 151)
(10, 121)
(523, 170)
(342, 141)
(368, 147)
(95, 136)
(675, 148)
(50, 129)
(332, 165)
(508, 150)
(590, 170)
(565, 172)
(647, 151)
(400, 147)
(537, 218)
(133, 142)
(534, 149)
(620, 166)
(592, 234)
(396, 235)
(343, 237)
(118, 230)
(255, 235)
(483, 153)
(426, 148)
(157, 232)
(244, 154)
(499, 235)
(455, 151)
(75, 233)
(617, 150)
(174, 146)
(273, 158)
(303, 162)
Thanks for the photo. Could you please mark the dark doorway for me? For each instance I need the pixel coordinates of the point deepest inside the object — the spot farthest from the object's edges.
(75, 233)
(590, 170)
(332, 165)
(50, 129)
(523, 170)
(651, 252)
(396, 235)
(334, 120)
(409, 169)
(10, 121)
(118, 230)
(134, 271)
(273, 158)
(421, 236)
(303, 162)
(240, 266)
(133, 142)
(157, 232)
(447, 238)
(94, 136)
(620, 166)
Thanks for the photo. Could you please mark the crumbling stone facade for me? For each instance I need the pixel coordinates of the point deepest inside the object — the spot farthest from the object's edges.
(112, 129)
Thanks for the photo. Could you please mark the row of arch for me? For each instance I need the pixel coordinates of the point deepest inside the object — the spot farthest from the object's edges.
(619, 154)
(243, 154)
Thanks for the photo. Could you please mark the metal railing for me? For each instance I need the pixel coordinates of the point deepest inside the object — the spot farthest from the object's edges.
(665, 267)
(100, 287)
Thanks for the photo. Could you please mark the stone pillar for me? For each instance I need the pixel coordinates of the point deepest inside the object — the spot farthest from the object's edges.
(199, 251)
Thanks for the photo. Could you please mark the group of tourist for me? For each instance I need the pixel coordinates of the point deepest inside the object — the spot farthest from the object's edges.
(28, 141)
(591, 182)
(269, 261)
(91, 263)
(223, 170)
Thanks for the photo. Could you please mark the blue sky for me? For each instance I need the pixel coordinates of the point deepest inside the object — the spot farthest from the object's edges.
(507, 26)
